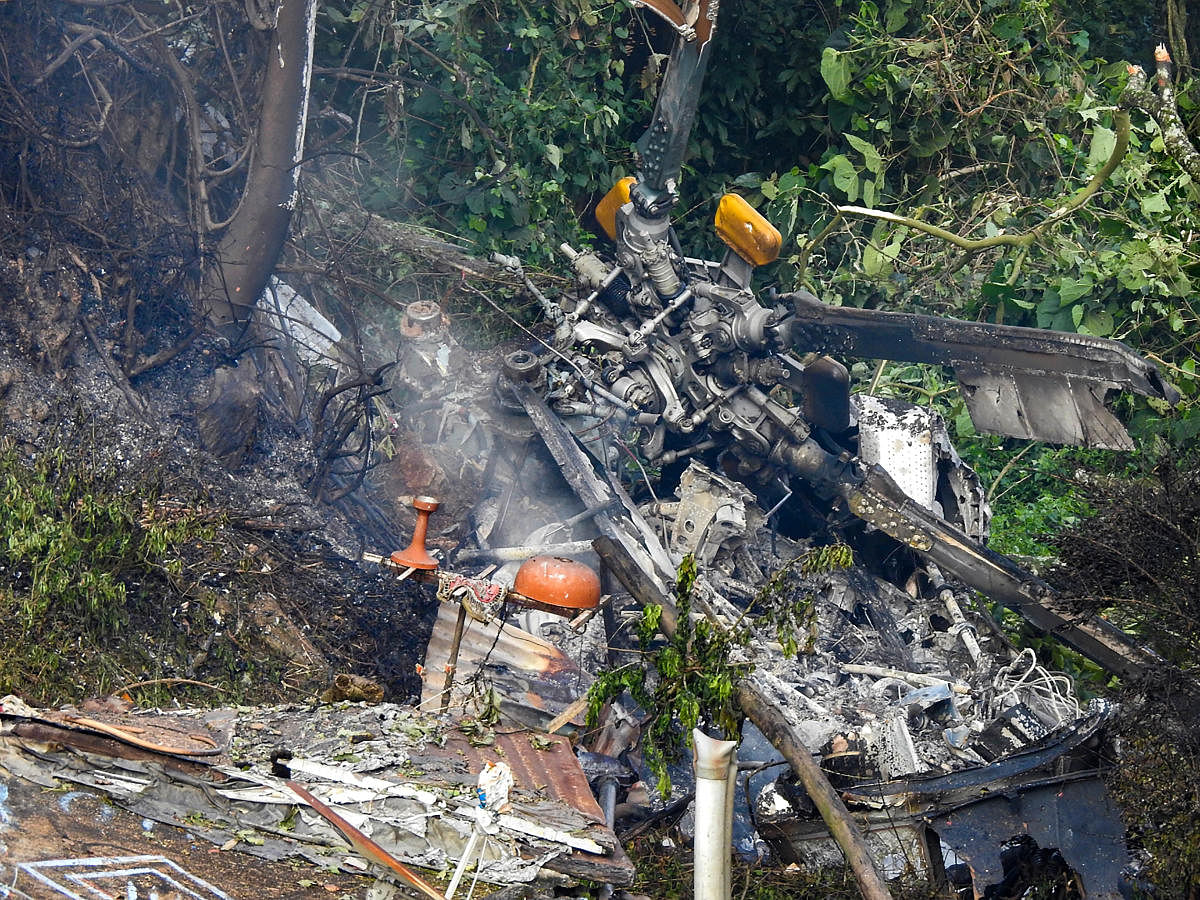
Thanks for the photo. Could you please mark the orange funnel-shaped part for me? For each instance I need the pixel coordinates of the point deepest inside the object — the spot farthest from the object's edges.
(415, 556)
(557, 581)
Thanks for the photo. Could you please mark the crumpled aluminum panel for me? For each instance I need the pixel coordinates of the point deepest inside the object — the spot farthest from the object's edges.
(1036, 406)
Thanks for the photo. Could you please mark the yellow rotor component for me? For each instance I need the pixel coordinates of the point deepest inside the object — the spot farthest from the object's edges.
(606, 209)
(746, 232)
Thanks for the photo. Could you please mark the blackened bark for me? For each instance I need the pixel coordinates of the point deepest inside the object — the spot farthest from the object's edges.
(250, 246)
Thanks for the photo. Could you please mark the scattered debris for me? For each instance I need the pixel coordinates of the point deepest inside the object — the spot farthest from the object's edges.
(399, 782)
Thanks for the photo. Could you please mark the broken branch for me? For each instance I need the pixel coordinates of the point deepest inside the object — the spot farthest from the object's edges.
(1162, 109)
(1026, 238)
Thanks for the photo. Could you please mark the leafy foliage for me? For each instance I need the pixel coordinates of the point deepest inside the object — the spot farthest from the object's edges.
(86, 558)
(503, 115)
(688, 679)
(792, 615)
(71, 539)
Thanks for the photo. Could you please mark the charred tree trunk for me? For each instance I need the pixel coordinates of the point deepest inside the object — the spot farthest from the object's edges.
(249, 248)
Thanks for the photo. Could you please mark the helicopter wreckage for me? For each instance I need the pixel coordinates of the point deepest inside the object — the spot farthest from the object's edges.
(676, 411)
(955, 755)
(683, 412)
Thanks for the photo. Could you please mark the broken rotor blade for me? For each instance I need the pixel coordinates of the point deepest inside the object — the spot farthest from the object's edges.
(881, 502)
(1022, 382)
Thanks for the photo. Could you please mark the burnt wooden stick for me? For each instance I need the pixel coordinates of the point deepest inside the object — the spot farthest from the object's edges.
(452, 659)
(761, 710)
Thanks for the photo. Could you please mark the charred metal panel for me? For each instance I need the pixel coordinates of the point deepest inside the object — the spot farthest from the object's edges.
(1029, 405)
(1022, 382)
(545, 767)
(1078, 819)
(1002, 776)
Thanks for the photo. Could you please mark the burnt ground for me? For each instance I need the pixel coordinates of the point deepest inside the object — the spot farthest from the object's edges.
(256, 592)
(79, 824)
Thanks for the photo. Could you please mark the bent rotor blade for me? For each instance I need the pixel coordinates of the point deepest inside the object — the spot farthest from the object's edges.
(1021, 382)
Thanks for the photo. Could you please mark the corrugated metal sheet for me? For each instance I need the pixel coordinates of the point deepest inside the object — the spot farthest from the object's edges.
(552, 773)
(535, 681)
(549, 787)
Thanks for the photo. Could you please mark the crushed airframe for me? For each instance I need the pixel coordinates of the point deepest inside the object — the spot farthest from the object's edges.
(951, 749)
(404, 778)
(676, 370)
(935, 730)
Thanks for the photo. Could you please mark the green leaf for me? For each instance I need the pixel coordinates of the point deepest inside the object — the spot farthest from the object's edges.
(871, 156)
(835, 70)
(963, 426)
(896, 16)
(845, 176)
(929, 144)
(921, 48)
(554, 155)
(1009, 28)
(1154, 203)
(873, 261)
(1071, 289)
(1103, 142)
(791, 180)
(1099, 323)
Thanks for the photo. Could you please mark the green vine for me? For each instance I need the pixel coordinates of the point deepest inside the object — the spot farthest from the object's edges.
(686, 678)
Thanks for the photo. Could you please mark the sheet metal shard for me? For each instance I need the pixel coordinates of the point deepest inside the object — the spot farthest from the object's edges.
(161, 734)
(533, 679)
(1078, 819)
(1065, 410)
(542, 765)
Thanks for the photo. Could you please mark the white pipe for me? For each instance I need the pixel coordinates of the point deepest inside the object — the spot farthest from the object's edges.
(712, 760)
(476, 833)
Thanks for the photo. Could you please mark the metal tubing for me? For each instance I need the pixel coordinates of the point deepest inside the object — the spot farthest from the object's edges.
(962, 625)
(514, 554)
(712, 761)
(608, 800)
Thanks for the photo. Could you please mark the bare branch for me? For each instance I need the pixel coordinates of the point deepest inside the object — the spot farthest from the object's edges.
(1162, 109)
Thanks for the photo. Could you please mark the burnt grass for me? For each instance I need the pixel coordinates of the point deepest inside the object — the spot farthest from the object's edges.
(177, 569)
(1137, 562)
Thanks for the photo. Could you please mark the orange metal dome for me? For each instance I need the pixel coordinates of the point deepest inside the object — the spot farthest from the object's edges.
(557, 581)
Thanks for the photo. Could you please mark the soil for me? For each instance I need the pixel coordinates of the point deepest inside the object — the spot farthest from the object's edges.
(273, 602)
